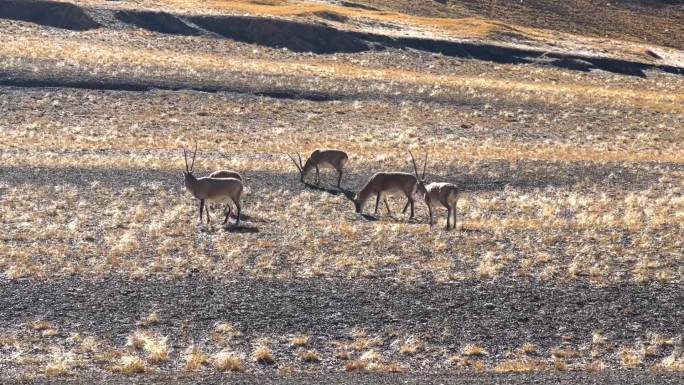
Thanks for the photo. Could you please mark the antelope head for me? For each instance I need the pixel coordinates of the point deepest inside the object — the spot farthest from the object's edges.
(420, 178)
(188, 169)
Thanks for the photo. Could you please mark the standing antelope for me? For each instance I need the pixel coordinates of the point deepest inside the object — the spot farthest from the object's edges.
(335, 159)
(220, 190)
(444, 193)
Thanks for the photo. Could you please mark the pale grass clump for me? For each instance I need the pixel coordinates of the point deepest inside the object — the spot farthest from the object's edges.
(138, 338)
(521, 365)
(411, 346)
(561, 352)
(489, 267)
(195, 358)
(299, 341)
(89, 345)
(228, 361)
(528, 348)
(671, 363)
(157, 349)
(309, 356)
(227, 330)
(597, 338)
(60, 365)
(150, 319)
(595, 366)
(155, 346)
(262, 354)
(629, 357)
(474, 350)
(131, 364)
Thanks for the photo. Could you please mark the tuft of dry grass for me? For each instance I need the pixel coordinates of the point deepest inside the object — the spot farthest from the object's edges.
(411, 346)
(227, 361)
(157, 349)
(528, 348)
(671, 363)
(595, 366)
(59, 366)
(195, 358)
(149, 320)
(522, 365)
(299, 341)
(474, 350)
(131, 364)
(309, 356)
(629, 357)
(263, 354)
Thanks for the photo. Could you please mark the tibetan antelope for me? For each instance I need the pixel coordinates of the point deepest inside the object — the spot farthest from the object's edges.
(444, 193)
(384, 182)
(220, 190)
(335, 159)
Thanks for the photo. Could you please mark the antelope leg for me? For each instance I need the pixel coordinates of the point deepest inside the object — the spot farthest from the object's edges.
(228, 210)
(339, 179)
(238, 212)
(318, 177)
(206, 207)
(201, 209)
(387, 206)
(448, 216)
(377, 202)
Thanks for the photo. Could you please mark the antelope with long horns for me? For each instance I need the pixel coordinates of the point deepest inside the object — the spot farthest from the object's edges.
(208, 189)
(444, 193)
(335, 159)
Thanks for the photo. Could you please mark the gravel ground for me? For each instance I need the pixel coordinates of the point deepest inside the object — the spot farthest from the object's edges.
(501, 314)
(610, 378)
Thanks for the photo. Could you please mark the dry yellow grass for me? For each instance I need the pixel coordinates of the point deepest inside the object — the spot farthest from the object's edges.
(262, 354)
(228, 361)
(299, 341)
(474, 350)
(131, 364)
(195, 358)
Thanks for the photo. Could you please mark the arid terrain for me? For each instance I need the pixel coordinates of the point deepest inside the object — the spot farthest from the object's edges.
(561, 122)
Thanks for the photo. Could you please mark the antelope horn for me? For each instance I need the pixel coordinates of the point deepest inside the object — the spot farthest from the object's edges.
(295, 162)
(192, 166)
(425, 165)
(185, 155)
(413, 160)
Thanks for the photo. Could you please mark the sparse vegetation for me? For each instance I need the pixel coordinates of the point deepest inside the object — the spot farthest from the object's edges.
(570, 179)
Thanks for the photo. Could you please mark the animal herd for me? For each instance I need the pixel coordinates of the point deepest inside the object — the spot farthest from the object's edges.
(226, 186)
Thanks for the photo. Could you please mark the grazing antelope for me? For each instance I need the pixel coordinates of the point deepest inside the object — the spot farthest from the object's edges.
(383, 182)
(335, 159)
(210, 189)
(444, 193)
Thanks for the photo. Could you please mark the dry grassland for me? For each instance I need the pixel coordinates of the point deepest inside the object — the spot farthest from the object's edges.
(567, 178)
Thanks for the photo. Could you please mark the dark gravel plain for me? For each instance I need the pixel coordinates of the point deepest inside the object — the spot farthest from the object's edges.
(500, 314)
(608, 378)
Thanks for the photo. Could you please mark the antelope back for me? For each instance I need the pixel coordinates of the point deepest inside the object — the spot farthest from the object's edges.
(226, 174)
(219, 188)
(395, 181)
